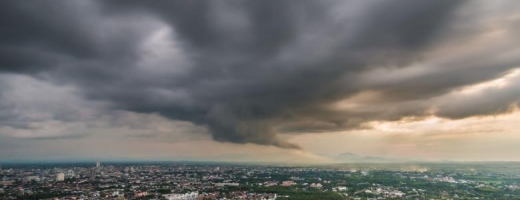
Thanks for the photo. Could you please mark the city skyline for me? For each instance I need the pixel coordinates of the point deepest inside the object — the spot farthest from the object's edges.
(255, 81)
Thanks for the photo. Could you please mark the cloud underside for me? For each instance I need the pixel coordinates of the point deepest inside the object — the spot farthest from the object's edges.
(248, 70)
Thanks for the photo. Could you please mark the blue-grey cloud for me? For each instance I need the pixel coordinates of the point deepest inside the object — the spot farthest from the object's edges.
(246, 68)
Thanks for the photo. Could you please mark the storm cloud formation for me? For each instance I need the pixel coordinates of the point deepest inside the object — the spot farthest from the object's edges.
(248, 70)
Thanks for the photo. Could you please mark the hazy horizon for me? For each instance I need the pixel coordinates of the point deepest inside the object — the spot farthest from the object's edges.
(260, 81)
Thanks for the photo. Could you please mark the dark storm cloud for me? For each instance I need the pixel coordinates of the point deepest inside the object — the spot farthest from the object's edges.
(247, 69)
(47, 34)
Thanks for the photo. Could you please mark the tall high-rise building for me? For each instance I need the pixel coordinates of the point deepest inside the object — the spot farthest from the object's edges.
(60, 176)
(98, 164)
(92, 175)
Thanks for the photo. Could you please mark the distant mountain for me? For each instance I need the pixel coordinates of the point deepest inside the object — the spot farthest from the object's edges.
(349, 157)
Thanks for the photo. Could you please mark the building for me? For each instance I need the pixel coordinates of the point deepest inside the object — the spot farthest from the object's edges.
(288, 183)
(226, 184)
(140, 194)
(92, 175)
(98, 164)
(186, 196)
(339, 189)
(70, 173)
(60, 176)
(270, 183)
(32, 178)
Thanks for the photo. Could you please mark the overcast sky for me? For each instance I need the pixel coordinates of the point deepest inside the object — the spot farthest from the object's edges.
(258, 80)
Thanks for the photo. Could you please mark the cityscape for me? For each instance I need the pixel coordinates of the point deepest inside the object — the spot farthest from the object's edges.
(259, 99)
(201, 181)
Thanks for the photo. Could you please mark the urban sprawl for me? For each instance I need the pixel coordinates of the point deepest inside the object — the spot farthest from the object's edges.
(199, 181)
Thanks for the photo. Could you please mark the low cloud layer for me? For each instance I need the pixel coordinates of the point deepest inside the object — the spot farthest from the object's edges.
(248, 70)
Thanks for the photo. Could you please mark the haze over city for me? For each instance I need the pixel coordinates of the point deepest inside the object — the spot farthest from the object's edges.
(259, 81)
